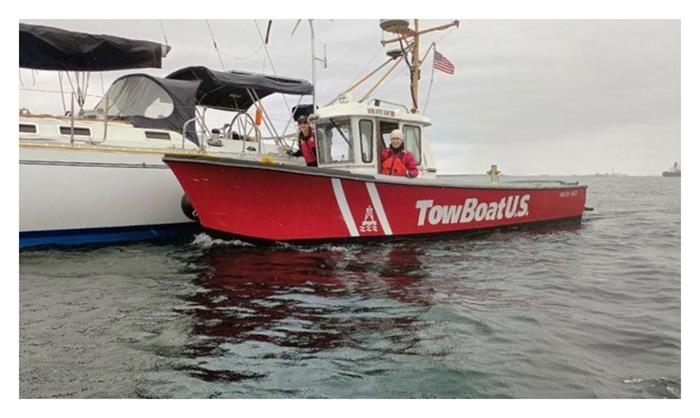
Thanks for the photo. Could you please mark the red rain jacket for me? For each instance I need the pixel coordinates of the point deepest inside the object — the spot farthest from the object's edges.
(398, 163)
(307, 149)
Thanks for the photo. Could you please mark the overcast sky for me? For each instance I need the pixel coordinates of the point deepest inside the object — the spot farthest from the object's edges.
(534, 97)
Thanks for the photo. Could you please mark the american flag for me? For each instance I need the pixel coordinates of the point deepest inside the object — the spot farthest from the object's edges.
(441, 63)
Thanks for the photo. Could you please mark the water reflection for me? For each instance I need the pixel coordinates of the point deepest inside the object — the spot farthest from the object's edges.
(304, 302)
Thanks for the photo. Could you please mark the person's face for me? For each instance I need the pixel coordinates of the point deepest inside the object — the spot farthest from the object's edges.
(396, 142)
(304, 126)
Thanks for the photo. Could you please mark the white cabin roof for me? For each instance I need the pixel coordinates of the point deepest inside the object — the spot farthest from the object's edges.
(337, 110)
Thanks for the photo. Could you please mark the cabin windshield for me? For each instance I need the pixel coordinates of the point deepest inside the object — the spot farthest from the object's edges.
(335, 142)
(136, 96)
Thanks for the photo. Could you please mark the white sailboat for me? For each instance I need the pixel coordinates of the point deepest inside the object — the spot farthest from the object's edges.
(97, 176)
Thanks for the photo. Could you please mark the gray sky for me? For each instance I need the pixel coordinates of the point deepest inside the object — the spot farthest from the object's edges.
(534, 97)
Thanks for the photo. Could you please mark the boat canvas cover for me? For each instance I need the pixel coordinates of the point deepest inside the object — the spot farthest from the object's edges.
(153, 102)
(48, 48)
(228, 90)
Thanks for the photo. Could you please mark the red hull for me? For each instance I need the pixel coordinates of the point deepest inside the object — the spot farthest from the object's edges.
(280, 203)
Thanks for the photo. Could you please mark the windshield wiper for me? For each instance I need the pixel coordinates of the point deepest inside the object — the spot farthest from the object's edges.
(339, 131)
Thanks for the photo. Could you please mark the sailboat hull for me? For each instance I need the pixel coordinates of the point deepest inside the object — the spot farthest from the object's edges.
(74, 197)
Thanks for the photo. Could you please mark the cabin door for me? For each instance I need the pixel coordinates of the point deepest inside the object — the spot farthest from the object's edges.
(384, 128)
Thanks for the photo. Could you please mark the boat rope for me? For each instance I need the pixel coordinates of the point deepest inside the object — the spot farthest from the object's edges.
(70, 82)
(63, 98)
(86, 85)
(362, 71)
(446, 33)
(432, 72)
(267, 51)
(412, 70)
(272, 65)
(251, 55)
(430, 87)
(216, 47)
(102, 83)
(289, 121)
(393, 77)
(54, 91)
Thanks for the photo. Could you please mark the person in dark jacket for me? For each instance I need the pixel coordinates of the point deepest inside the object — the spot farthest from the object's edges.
(396, 160)
(307, 143)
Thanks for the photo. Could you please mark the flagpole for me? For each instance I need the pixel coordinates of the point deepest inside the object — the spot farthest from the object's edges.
(430, 87)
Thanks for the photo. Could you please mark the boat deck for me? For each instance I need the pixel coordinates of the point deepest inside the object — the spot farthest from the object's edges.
(478, 182)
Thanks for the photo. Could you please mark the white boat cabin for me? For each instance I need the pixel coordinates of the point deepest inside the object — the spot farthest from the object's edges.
(351, 135)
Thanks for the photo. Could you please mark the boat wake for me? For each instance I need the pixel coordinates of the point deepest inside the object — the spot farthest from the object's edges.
(204, 240)
(661, 387)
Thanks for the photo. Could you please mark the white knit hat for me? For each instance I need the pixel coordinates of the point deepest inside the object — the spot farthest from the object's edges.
(396, 133)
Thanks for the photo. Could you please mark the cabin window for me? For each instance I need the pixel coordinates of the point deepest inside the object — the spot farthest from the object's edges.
(335, 142)
(385, 129)
(157, 135)
(65, 130)
(367, 140)
(27, 128)
(136, 96)
(411, 138)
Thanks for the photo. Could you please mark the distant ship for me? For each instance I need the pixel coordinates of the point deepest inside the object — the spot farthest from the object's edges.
(674, 171)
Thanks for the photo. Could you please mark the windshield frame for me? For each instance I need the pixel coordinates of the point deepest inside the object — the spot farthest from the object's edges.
(347, 140)
(129, 87)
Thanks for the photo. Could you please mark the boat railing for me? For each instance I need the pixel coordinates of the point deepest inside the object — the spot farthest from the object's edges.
(245, 130)
(378, 102)
(73, 139)
(184, 129)
(562, 182)
(243, 126)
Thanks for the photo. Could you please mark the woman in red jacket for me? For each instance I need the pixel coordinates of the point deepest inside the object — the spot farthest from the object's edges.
(307, 143)
(396, 160)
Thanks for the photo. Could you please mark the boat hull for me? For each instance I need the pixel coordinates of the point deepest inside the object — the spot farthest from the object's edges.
(74, 197)
(281, 203)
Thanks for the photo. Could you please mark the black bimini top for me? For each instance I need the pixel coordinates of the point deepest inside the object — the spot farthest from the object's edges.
(153, 102)
(227, 90)
(47, 48)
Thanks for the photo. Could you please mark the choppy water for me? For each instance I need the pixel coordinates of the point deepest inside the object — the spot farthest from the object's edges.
(590, 311)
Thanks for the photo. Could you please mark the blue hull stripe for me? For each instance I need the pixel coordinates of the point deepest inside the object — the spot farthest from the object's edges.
(69, 237)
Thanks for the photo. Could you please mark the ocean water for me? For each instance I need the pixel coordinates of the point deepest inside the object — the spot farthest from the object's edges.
(590, 311)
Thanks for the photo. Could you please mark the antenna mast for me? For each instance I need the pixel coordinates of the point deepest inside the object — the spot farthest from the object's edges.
(411, 36)
(314, 58)
(313, 63)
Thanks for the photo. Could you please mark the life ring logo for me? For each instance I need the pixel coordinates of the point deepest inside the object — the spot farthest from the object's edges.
(514, 206)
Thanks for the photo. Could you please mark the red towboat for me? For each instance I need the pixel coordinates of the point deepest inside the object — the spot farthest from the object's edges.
(259, 201)
(276, 198)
